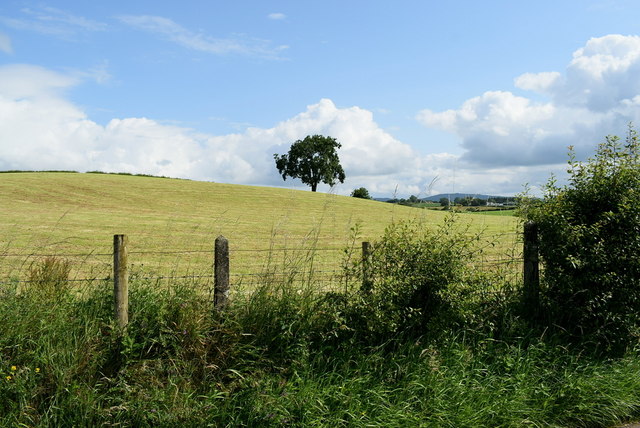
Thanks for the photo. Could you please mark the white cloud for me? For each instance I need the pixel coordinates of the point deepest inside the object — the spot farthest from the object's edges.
(53, 15)
(597, 95)
(368, 153)
(5, 43)
(20, 81)
(202, 42)
(52, 22)
(538, 82)
(40, 129)
(277, 16)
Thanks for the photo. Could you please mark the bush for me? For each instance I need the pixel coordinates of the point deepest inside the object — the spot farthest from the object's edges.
(413, 270)
(589, 232)
(361, 192)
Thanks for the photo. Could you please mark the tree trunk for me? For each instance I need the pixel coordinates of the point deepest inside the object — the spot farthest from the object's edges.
(314, 186)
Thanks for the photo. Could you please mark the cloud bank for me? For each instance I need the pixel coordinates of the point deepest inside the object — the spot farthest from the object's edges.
(598, 94)
(41, 129)
(508, 138)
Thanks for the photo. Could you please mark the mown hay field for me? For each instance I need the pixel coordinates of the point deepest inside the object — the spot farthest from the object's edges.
(172, 224)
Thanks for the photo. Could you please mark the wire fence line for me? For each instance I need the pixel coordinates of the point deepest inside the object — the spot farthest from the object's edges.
(327, 262)
(326, 266)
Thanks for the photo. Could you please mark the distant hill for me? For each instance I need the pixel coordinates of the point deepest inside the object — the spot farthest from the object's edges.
(452, 196)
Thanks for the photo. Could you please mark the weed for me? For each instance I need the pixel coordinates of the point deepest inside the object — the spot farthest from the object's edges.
(49, 277)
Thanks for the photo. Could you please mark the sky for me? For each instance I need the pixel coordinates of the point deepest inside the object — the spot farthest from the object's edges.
(425, 97)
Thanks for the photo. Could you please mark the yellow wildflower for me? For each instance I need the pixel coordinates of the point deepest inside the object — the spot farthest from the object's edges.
(8, 377)
(37, 369)
(14, 368)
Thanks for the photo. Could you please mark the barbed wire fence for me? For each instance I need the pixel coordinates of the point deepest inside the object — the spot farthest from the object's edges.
(327, 268)
(327, 264)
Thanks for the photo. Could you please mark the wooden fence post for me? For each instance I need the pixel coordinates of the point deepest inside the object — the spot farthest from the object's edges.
(531, 273)
(221, 273)
(366, 267)
(120, 280)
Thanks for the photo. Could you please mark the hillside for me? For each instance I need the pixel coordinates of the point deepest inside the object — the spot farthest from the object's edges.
(78, 214)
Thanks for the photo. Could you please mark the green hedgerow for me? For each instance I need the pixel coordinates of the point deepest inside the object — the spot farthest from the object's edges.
(589, 233)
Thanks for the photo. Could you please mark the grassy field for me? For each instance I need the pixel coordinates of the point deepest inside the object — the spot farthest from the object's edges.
(494, 212)
(172, 223)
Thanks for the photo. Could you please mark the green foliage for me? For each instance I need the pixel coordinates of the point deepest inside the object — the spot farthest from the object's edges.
(313, 160)
(470, 201)
(428, 342)
(361, 192)
(589, 232)
(284, 354)
(413, 269)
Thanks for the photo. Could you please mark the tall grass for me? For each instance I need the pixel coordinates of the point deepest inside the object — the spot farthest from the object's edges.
(289, 353)
(63, 214)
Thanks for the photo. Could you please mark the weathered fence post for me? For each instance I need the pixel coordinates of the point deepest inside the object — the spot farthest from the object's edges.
(531, 273)
(221, 273)
(366, 267)
(120, 280)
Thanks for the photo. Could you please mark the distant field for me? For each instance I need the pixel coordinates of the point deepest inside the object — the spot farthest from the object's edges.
(172, 224)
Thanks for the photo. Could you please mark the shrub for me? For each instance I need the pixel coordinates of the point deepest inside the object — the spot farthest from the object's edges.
(412, 271)
(361, 192)
(589, 232)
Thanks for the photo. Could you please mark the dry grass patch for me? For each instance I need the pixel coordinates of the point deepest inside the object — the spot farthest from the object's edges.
(172, 224)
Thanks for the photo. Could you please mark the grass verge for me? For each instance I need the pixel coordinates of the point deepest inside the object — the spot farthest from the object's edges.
(286, 354)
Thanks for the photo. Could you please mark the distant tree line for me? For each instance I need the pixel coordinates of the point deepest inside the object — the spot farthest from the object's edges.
(412, 200)
(467, 201)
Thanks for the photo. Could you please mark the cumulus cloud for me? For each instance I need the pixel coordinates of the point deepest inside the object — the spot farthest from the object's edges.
(199, 41)
(21, 81)
(41, 129)
(538, 82)
(598, 94)
(368, 154)
(509, 139)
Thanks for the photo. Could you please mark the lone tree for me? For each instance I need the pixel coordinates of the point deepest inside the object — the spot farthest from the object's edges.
(312, 160)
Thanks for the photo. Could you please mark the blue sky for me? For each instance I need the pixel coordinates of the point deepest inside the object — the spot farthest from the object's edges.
(425, 96)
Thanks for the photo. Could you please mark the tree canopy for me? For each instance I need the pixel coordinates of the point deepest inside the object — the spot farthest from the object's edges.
(313, 160)
(361, 192)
